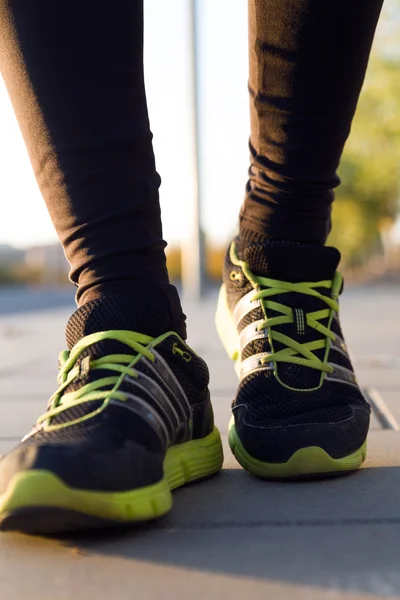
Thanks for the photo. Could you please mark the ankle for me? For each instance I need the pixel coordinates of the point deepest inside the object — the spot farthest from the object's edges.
(146, 308)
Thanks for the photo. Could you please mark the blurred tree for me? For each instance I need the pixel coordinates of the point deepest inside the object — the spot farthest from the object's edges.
(368, 198)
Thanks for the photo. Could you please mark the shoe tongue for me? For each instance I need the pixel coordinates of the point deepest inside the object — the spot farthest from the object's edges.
(291, 261)
(295, 263)
(149, 315)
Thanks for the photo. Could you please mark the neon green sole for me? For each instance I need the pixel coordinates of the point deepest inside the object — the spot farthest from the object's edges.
(305, 462)
(184, 463)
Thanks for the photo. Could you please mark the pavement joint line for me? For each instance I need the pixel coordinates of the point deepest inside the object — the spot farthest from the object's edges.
(381, 409)
(351, 522)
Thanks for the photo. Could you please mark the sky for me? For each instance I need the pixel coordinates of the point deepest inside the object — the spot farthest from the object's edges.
(223, 116)
(224, 123)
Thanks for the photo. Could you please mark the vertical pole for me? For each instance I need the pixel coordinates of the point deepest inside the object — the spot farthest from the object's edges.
(192, 247)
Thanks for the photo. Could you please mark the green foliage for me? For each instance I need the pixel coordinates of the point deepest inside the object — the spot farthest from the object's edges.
(354, 231)
(6, 276)
(21, 274)
(368, 198)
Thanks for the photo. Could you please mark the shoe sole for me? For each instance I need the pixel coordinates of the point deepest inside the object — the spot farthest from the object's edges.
(39, 502)
(306, 462)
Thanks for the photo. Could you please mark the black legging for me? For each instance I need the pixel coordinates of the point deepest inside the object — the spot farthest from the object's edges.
(307, 64)
(74, 71)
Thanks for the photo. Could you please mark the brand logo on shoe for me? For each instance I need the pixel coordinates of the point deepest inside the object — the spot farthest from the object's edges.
(177, 350)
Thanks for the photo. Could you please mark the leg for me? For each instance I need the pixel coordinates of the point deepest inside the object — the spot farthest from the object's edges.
(131, 418)
(298, 410)
(80, 100)
(307, 65)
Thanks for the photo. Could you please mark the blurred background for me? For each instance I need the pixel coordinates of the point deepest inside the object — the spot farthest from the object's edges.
(196, 79)
(366, 214)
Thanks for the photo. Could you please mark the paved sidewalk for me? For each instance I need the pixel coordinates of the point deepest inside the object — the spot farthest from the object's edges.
(233, 535)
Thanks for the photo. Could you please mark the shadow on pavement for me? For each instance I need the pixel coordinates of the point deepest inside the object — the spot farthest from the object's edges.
(340, 533)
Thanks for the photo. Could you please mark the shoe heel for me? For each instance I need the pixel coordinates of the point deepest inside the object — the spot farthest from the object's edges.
(226, 328)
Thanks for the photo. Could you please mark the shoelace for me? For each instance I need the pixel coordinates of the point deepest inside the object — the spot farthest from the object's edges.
(295, 352)
(121, 364)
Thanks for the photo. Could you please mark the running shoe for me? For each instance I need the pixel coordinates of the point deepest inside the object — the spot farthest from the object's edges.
(299, 411)
(130, 421)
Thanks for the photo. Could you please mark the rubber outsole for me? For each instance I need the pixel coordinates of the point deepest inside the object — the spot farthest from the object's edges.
(40, 502)
(305, 463)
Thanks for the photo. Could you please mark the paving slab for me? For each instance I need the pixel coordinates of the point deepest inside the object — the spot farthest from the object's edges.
(64, 570)
(232, 535)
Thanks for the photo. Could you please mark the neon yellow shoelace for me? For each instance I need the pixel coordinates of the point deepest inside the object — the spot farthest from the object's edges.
(295, 352)
(121, 364)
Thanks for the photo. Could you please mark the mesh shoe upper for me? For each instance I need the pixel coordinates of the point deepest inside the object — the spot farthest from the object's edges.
(161, 399)
(290, 394)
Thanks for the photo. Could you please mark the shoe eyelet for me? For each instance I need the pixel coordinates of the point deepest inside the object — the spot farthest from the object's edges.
(235, 276)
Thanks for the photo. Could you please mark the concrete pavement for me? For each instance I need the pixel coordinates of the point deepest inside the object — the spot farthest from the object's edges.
(232, 535)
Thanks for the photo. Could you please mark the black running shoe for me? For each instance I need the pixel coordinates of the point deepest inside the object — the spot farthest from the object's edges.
(131, 420)
(299, 410)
